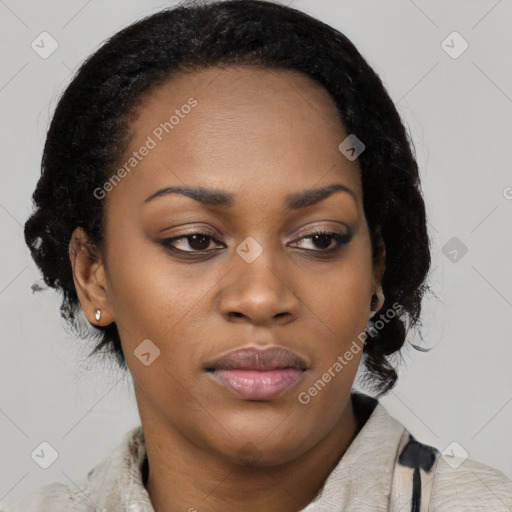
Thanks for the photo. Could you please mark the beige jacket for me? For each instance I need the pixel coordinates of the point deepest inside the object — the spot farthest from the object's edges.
(384, 469)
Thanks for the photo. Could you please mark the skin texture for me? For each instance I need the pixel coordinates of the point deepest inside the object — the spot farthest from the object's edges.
(259, 135)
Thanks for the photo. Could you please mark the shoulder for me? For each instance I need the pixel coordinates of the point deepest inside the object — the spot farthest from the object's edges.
(111, 485)
(469, 485)
(445, 483)
(53, 497)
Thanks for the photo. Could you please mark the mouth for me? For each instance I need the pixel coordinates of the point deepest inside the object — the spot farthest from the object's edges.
(255, 374)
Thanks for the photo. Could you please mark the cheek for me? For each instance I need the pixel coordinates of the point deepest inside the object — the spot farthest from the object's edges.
(341, 311)
(340, 295)
(150, 297)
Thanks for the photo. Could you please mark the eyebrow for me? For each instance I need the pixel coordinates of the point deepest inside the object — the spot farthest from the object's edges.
(220, 199)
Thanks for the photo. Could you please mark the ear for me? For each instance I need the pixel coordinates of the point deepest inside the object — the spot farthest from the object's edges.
(89, 278)
(379, 267)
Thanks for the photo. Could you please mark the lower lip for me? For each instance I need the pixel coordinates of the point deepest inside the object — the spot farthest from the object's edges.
(258, 385)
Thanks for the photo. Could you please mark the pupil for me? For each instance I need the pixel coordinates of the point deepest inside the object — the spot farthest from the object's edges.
(324, 238)
(199, 240)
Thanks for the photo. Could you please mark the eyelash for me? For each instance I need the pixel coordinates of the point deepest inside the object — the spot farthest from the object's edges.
(341, 240)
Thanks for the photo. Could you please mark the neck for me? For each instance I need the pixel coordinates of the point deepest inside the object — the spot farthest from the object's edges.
(192, 479)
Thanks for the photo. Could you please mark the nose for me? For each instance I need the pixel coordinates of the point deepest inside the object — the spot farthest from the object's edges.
(259, 293)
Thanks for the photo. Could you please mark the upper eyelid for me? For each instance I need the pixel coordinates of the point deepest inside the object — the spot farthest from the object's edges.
(304, 231)
(314, 231)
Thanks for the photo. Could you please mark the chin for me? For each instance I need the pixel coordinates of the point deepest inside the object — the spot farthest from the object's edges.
(266, 452)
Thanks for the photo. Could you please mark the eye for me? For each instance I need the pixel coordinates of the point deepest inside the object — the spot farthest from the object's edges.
(196, 242)
(327, 241)
(199, 242)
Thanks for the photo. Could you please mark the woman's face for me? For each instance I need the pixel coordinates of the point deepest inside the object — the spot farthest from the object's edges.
(251, 143)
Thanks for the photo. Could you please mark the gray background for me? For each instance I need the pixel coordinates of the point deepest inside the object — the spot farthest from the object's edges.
(459, 113)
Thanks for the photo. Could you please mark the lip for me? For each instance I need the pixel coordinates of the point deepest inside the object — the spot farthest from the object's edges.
(258, 374)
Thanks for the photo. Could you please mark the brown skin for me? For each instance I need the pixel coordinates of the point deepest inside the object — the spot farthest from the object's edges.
(260, 135)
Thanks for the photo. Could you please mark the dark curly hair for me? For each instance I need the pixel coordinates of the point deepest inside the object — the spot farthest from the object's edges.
(90, 131)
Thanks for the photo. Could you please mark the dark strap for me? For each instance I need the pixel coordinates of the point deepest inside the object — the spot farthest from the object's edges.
(413, 475)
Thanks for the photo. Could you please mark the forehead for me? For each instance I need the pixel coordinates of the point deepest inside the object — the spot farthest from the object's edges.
(237, 128)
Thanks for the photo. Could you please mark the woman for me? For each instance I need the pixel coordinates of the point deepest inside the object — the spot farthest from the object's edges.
(230, 197)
